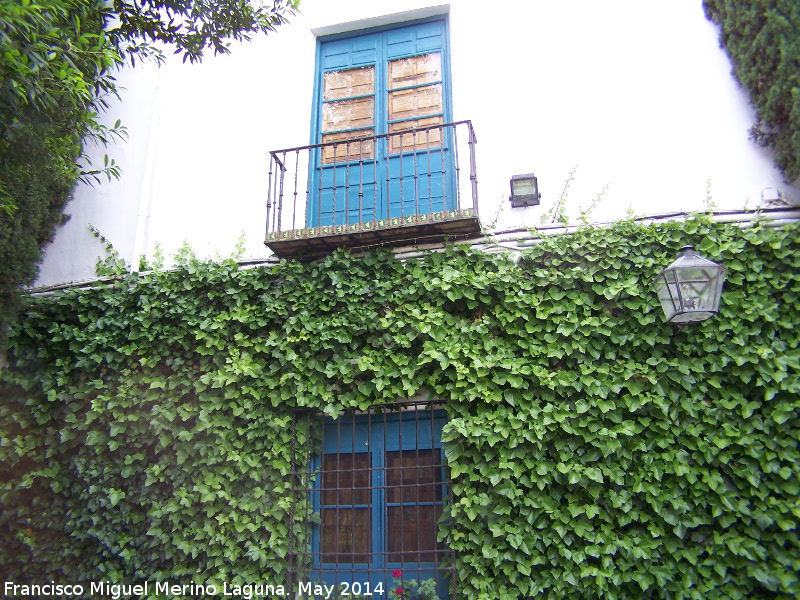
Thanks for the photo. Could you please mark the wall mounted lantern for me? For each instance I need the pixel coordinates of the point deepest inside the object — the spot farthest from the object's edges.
(690, 288)
(524, 190)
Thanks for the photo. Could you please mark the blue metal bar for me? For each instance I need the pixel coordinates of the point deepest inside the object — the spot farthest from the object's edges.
(406, 119)
(333, 131)
(412, 86)
(342, 99)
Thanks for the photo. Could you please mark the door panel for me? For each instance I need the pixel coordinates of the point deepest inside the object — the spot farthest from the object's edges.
(418, 39)
(377, 84)
(352, 52)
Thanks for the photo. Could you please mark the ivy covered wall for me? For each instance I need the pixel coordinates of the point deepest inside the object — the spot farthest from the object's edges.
(763, 43)
(595, 451)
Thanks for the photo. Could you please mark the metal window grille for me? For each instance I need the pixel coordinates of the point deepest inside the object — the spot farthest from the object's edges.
(368, 494)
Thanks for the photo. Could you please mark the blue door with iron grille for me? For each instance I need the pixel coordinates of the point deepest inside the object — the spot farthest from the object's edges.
(380, 495)
(371, 90)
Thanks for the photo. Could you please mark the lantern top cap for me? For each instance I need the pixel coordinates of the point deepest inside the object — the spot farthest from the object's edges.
(688, 257)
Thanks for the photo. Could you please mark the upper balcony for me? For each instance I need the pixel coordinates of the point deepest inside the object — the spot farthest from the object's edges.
(403, 187)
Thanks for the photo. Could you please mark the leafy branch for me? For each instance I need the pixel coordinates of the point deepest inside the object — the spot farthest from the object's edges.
(558, 212)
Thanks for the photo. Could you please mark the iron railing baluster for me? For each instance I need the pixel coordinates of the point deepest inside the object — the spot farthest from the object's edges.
(400, 158)
(308, 199)
(416, 182)
(444, 176)
(269, 192)
(428, 154)
(347, 184)
(280, 196)
(319, 190)
(388, 180)
(275, 201)
(333, 216)
(361, 182)
(458, 172)
(473, 169)
(296, 168)
(374, 180)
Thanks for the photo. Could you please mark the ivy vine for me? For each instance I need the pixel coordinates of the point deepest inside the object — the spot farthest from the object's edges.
(595, 452)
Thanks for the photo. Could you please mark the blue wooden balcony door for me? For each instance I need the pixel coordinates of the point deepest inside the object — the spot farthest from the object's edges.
(381, 493)
(384, 82)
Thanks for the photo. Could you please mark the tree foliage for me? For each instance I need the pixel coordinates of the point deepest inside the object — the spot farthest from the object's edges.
(56, 63)
(193, 26)
(595, 452)
(762, 38)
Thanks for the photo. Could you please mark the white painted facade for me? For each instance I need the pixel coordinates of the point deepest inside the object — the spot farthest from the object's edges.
(638, 94)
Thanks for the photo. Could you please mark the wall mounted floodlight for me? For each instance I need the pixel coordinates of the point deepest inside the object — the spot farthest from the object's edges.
(690, 288)
(524, 190)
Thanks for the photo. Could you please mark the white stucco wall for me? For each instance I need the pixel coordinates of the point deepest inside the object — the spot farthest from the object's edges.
(638, 94)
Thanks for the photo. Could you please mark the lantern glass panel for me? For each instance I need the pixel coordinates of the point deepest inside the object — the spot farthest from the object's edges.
(668, 296)
(695, 287)
(523, 187)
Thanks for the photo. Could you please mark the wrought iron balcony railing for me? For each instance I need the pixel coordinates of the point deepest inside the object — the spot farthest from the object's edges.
(399, 187)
